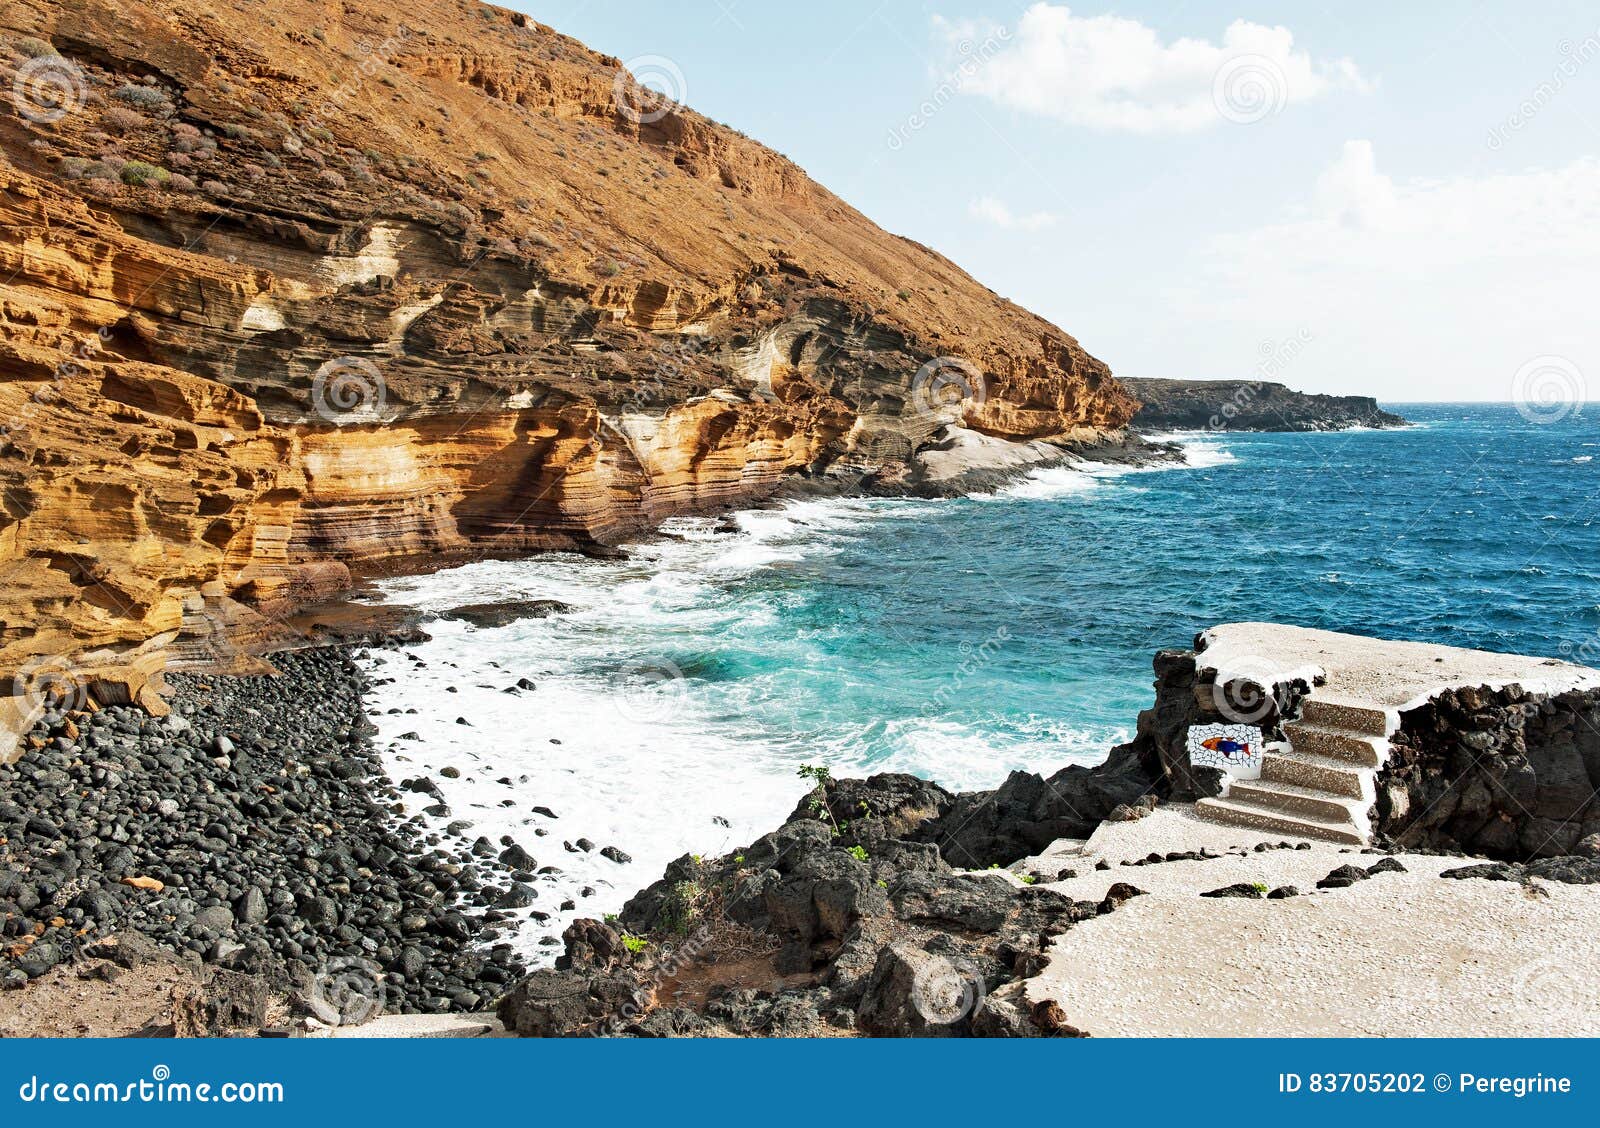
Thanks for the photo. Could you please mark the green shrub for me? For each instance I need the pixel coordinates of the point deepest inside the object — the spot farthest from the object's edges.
(681, 908)
(142, 174)
(35, 48)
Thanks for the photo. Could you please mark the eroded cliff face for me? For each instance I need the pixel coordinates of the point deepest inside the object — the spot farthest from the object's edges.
(292, 289)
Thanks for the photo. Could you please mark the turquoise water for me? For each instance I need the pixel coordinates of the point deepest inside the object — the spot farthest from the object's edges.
(962, 639)
(1032, 617)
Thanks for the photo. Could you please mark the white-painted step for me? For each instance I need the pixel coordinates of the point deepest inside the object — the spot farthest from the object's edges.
(1337, 743)
(1261, 818)
(1291, 799)
(1306, 769)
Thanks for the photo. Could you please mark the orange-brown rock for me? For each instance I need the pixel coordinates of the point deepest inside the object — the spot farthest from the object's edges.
(292, 289)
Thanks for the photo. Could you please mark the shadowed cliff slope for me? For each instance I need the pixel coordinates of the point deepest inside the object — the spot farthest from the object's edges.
(291, 288)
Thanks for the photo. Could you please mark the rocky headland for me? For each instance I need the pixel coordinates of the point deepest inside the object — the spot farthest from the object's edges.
(1248, 405)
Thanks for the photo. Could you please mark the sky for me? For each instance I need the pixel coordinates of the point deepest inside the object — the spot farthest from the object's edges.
(1356, 197)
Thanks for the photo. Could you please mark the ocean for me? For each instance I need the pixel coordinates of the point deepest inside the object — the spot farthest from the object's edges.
(963, 639)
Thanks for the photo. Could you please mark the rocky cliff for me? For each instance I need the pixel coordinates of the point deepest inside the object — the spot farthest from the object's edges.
(1249, 405)
(290, 289)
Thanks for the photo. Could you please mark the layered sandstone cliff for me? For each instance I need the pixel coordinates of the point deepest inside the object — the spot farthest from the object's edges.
(289, 289)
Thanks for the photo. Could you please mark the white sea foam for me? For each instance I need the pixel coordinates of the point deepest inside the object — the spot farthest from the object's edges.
(1201, 454)
(1082, 477)
(616, 739)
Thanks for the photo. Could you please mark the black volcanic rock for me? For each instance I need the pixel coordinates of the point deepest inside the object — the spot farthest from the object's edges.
(1249, 405)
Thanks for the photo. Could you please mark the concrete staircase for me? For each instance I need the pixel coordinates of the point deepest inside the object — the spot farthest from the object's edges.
(1320, 782)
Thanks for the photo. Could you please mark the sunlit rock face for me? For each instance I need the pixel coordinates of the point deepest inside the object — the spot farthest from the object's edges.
(289, 290)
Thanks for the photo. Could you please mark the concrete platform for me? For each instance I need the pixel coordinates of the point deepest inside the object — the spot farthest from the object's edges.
(1396, 675)
(1401, 954)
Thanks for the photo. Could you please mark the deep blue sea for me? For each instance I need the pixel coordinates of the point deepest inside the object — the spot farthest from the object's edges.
(962, 639)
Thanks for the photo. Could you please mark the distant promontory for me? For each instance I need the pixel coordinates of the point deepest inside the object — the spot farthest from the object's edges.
(1248, 405)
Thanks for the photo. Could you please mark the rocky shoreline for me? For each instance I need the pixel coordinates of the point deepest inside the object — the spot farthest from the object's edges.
(252, 834)
(252, 849)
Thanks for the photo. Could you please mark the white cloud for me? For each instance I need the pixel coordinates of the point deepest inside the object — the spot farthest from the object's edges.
(1438, 287)
(1113, 73)
(994, 211)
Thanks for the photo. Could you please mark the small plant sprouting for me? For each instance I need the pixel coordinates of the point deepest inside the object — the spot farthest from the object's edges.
(1259, 886)
(859, 853)
(611, 918)
(818, 800)
(634, 944)
(738, 859)
(681, 907)
(1027, 878)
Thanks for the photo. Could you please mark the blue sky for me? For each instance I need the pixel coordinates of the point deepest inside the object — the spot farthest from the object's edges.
(1409, 207)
